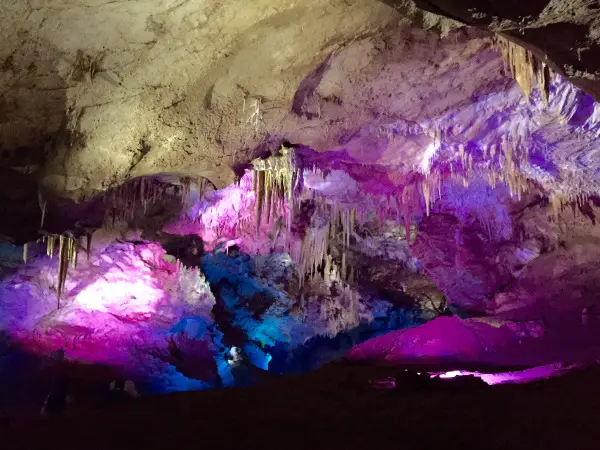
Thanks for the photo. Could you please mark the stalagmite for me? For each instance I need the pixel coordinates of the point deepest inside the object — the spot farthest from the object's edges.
(25, 249)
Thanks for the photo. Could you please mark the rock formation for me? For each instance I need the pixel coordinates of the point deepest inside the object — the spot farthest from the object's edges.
(190, 188)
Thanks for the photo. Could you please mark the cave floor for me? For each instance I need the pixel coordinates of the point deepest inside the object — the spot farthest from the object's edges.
(334, 408)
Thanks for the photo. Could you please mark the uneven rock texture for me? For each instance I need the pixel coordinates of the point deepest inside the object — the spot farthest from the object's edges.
(382, 100)
(178, 87)
(451, 339)
(198, 90)
(120, 308)
(451, 342)
(95, 91)
(559, 278)
(130, 305)
(519, 262)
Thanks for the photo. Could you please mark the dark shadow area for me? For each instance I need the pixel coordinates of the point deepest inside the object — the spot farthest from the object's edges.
(26, 380)
(560, 42)
(507, 9)
(145, 203)
(307, 88)
(33, 123)
(33, 106)
(336, 408)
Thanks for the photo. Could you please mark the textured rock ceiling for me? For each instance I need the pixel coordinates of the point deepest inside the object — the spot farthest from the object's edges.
(110, 89)
(95, 92)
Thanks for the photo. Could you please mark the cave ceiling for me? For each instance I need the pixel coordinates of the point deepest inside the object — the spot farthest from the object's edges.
(96, 92)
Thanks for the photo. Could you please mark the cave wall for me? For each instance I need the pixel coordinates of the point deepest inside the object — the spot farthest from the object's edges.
(540, 265)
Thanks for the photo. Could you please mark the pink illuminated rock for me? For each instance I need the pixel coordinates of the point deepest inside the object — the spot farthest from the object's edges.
(119, 308)
(439, 340)
(450, 340)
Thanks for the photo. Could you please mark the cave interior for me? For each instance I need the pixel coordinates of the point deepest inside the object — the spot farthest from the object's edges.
(412, 188)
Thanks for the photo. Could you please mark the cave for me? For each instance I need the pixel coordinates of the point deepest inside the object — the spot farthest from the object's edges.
(306, 218)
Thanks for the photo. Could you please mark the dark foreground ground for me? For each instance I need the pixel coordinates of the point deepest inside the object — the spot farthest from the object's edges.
(334, 408)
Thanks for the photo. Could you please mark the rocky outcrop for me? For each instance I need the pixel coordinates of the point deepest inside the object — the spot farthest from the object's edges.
(521, 263)
(121, 307)
(450, 343)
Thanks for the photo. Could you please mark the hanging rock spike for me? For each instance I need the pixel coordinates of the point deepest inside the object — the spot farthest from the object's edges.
(525, 67)
(67, 255)
(88, 244)
(274, 181)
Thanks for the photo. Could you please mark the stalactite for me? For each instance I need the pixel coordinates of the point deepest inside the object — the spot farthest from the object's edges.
(432, 190)
(501, 162)
(43, 204)
(575, 200)
(50, 241)
(124, 201)
(67, 255)
(556, 203)
(274, 181)
(88, 244)
(63, 263)
(327, 221)
(426, 195)
(543, 77)
(525, 67)
(74, 244)
(410, 201)
(315, 246)
(269, 198)
(347, 223)
(43, 219)
(260, 196)
(186, 182)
